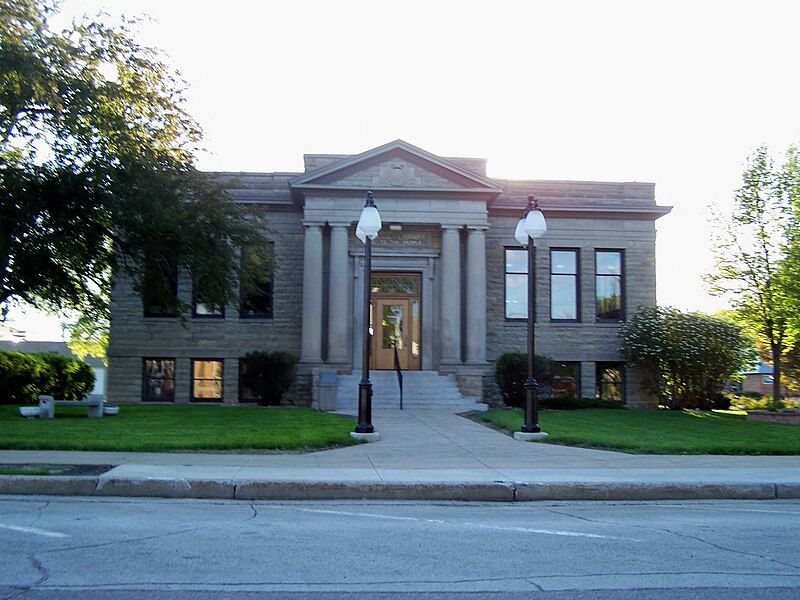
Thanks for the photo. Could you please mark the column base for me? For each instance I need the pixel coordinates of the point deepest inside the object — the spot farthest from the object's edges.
(312, 362)
(524, 436)
(367, 437)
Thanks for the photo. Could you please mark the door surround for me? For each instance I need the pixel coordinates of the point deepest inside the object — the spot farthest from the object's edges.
(386, 261)
(396, 316)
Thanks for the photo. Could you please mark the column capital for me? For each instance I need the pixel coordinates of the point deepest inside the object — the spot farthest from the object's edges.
(454, 228)
(309, 224)
(340, 223)
(477, 228)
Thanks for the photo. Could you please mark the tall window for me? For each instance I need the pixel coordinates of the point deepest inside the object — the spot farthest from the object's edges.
(609, 284)
(564, 264)
(207, 380)
(202, 309)
(257, 290)
(160, 290)
(611, 381)
(158, 380)
(566, 379)
(516, 284)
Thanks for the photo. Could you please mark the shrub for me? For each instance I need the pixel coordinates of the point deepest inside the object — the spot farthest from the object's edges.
(684, 357)
(573, 403)
(511, 371)
(72, 379)
(268, 375)
(23, 377)
(722, 401)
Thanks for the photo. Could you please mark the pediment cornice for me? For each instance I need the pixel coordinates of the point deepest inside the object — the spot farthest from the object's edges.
(397, 166)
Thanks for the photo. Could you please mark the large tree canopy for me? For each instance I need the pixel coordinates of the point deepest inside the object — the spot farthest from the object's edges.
(97, 173)
(757, 254)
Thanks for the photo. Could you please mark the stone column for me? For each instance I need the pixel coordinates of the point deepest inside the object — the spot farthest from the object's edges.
(312, 294)
(451, 296)
(338, 284)
(476, 296)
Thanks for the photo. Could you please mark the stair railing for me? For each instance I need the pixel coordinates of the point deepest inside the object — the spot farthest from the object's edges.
(399, 372)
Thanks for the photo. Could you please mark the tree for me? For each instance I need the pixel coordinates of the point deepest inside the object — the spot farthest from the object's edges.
(684, 357)
(88, 337)
(97, 173)
(754, 262)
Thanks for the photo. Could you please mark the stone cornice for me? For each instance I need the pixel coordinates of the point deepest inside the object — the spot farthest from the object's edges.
(448, 193)
(592, 212)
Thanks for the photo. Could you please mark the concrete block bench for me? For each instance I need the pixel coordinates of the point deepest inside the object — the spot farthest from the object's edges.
(47, 406)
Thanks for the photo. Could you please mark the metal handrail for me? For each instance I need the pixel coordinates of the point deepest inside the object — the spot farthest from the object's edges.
(399, 372)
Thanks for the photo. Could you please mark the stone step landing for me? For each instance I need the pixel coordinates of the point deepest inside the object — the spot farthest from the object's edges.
(421, 390)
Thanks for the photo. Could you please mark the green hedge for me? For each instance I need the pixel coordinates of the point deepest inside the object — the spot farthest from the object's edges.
(511, 371)
(23, 377)
(268, 375)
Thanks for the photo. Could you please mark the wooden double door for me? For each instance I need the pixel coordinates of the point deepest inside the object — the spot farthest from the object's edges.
(395, 322)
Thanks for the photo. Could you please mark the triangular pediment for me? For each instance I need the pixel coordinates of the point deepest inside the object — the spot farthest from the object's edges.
(397, 165)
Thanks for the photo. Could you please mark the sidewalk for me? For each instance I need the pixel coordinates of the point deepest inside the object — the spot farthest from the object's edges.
(423, 455)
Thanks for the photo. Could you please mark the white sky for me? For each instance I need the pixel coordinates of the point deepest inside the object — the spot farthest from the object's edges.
(678, 93)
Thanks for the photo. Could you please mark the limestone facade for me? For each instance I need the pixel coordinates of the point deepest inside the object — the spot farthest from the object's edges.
(447, 225)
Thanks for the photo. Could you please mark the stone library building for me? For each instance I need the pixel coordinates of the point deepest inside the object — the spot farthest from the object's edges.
(449, 287)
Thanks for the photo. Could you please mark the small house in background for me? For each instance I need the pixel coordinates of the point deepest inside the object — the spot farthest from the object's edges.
(61, 348)
(758, 377)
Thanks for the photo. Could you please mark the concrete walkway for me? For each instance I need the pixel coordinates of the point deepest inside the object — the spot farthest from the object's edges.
(438, 448)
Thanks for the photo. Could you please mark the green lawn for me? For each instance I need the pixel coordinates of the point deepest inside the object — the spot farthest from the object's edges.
(26, 470)
(159, 428)
(656, 432)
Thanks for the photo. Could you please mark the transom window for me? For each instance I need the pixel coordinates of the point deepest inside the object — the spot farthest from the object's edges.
(400, 284)
(564, 265)
(207, 380)
(609, 285)
(158, 379)
(516, 284)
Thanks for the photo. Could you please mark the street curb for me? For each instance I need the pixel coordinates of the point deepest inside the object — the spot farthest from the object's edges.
(497, 491)
(55, 485)
(321, 490)
(646, 491)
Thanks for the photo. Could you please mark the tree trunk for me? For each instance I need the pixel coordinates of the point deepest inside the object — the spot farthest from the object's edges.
(776, 377)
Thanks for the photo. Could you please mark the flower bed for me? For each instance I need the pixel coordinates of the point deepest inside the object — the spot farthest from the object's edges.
(790, 416)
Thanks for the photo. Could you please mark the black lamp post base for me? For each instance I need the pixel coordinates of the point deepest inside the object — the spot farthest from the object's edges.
(365, 408)
(525, 436)
(531, 411)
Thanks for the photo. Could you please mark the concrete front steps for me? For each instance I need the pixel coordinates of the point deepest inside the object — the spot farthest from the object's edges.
(422, 390)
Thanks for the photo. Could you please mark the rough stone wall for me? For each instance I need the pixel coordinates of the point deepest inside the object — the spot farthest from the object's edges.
(587, 341)
(133, 336)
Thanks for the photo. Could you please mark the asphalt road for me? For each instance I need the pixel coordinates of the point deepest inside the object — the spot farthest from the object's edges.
(91, 548)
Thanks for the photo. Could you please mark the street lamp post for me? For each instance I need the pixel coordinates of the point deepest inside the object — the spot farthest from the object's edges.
(532, 225)
(367, 230)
